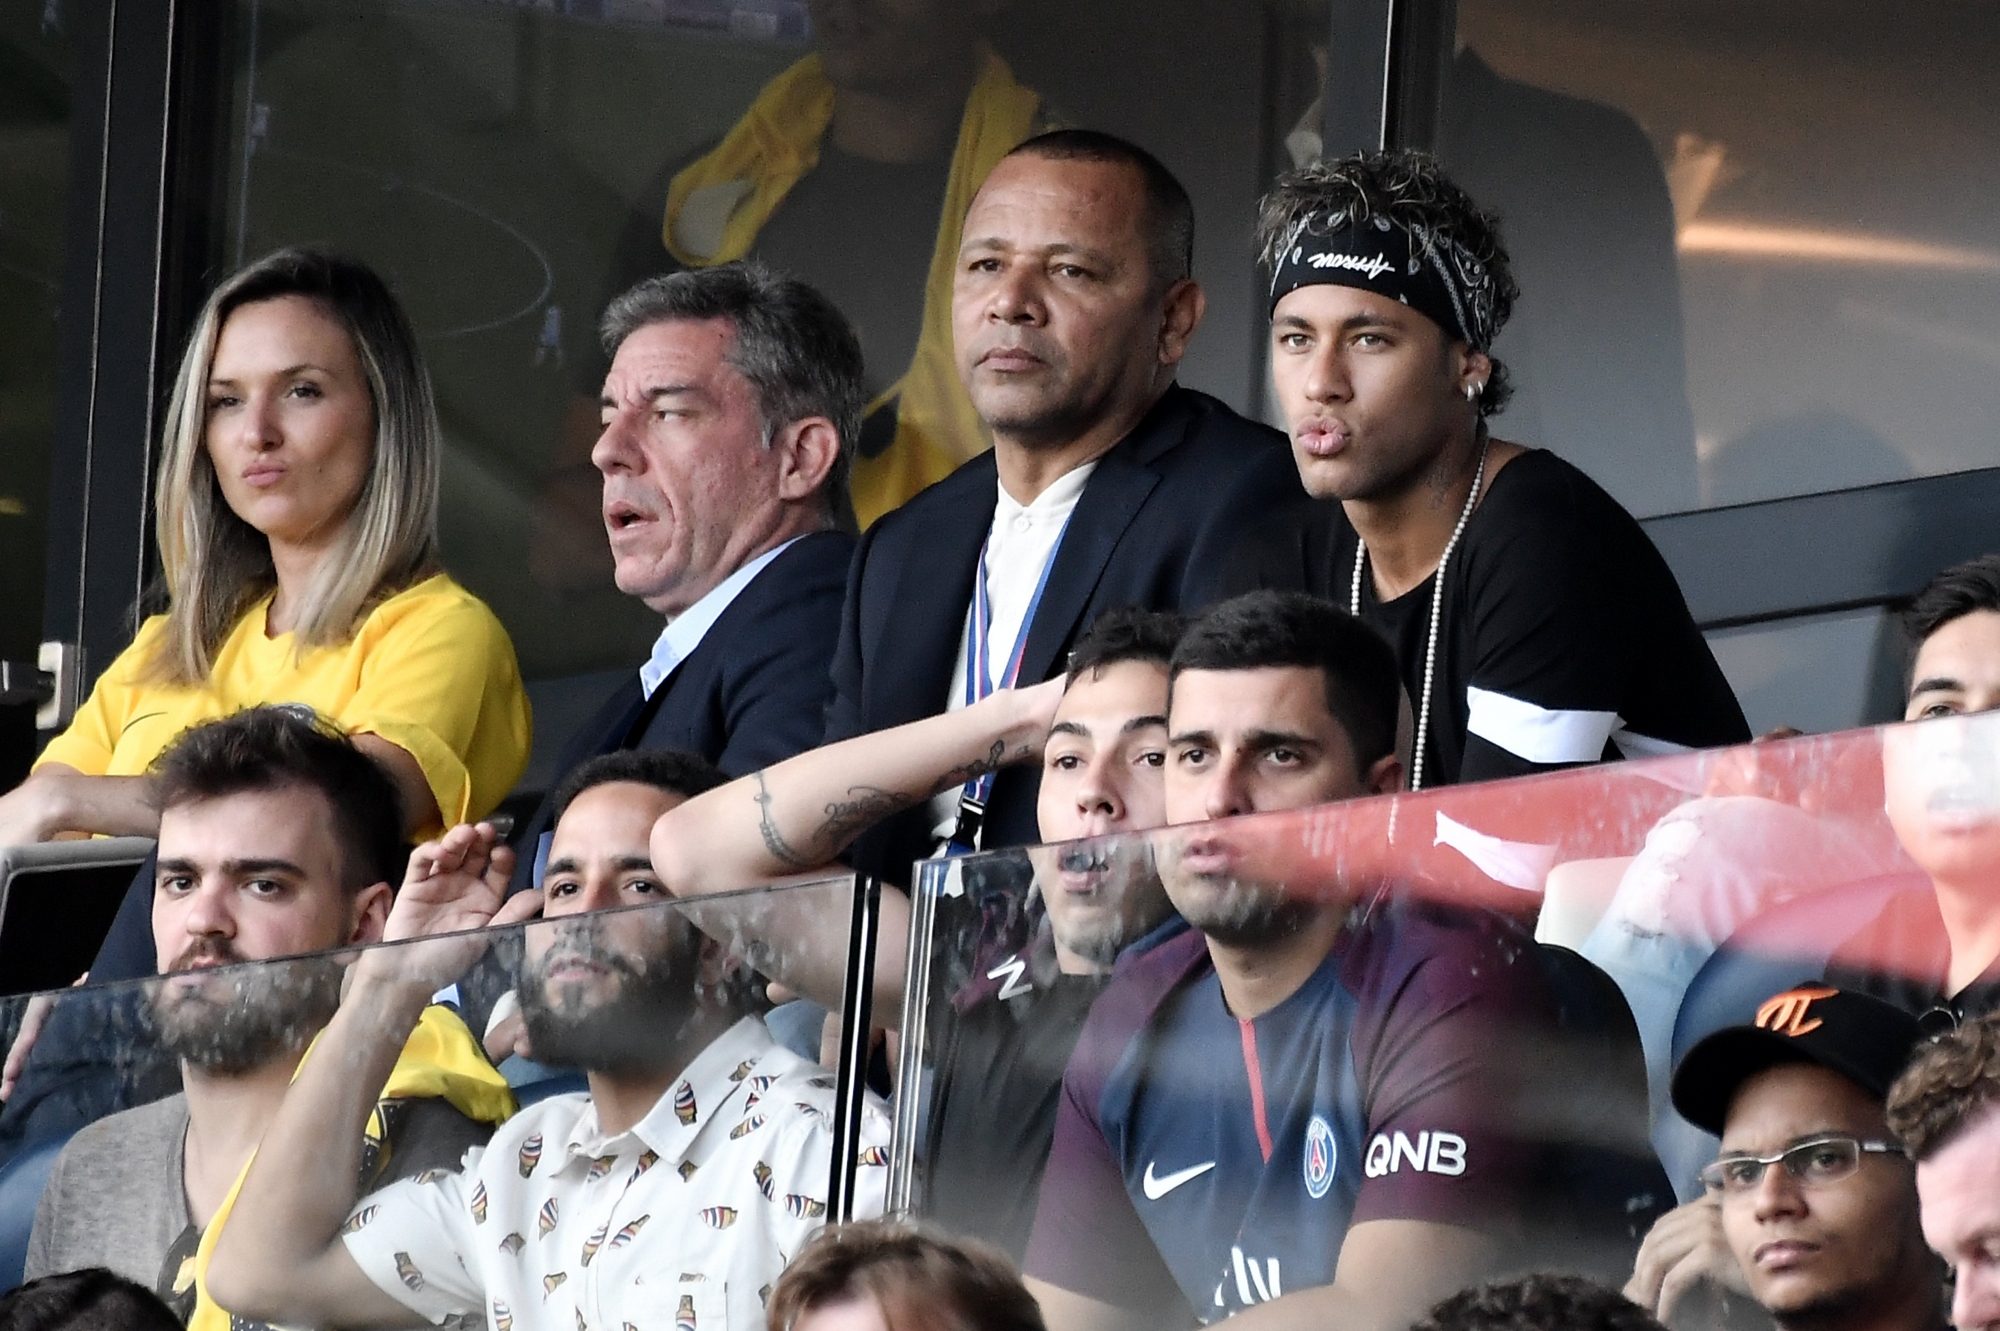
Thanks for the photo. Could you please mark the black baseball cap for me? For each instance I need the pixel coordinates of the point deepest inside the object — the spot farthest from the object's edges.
(1864, 1039)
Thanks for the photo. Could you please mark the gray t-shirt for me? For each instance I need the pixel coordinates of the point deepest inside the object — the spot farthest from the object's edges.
(115, 1197)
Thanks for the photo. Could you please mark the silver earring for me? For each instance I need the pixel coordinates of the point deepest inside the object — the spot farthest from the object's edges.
(1472, 392)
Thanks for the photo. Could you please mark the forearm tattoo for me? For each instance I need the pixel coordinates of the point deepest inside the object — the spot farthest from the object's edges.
(774, 841)
(995, 759)
(864, 807)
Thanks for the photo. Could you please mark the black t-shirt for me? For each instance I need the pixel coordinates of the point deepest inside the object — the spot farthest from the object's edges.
(1002, 1019)
(993, 1104)
(1564, 638)
(1902, 957)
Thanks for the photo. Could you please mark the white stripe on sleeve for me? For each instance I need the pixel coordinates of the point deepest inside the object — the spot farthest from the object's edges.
(1635, 745)
(1522, 864)
(1538, 734)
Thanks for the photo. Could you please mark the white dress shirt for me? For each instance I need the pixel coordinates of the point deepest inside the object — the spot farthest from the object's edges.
(1019, 545)
(686, 1220)
(685, 631)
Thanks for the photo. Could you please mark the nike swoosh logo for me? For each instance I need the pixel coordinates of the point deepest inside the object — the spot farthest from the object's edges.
(1156, 1188)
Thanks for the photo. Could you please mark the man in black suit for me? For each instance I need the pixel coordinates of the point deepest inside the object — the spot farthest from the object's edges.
(730, 413)
(1108, 485)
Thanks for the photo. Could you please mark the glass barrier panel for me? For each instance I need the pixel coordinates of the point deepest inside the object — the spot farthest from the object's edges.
(1181, 1070)
(595, 1118)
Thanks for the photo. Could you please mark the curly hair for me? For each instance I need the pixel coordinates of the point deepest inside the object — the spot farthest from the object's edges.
(1949, 1083)
(1540, 1302)
(1410, 189)
(921, 1280)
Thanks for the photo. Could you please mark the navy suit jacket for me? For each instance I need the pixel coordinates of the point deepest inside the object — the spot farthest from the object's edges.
(1152, 528)
(755, 691)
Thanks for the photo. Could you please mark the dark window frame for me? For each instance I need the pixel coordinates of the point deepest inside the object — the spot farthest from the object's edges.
(147, 173)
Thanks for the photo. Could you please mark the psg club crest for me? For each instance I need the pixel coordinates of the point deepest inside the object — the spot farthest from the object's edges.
(1321, 1154)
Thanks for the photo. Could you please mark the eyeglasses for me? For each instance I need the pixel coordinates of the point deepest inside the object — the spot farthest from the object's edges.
(1812, 1163)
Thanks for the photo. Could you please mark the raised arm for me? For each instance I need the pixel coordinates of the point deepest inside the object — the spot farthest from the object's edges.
(280, 1259)
(798, 816)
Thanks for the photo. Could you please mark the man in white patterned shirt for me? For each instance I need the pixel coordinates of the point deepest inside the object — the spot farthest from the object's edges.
(670, 1196)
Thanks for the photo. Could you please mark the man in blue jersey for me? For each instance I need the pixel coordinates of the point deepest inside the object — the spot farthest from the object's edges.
(1296, 1109)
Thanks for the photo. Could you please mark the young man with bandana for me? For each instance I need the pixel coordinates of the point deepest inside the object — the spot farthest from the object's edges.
(1534, 624)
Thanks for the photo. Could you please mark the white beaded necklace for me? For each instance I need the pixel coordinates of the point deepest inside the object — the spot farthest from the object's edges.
(1437, 605)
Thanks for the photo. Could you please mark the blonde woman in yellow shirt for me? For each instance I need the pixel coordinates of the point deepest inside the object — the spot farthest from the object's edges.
(297, 522)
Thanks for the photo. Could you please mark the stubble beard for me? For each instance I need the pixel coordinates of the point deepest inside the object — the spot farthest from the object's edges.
(639, 1027)
(262, 1012)
(1245, 915)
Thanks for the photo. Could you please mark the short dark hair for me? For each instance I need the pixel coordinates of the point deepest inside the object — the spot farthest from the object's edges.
(1407, 187)
(1259, 630)
(1956, 592)
(794, 346)
(93, 1299)
(269, 748)
(1129, 633)
(676, 771)
(921, 1280)
(1539, 1302)
(1949, 1083)
(1169, 219)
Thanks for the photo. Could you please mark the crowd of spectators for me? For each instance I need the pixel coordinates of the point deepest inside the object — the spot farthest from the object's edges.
(1179, 1074)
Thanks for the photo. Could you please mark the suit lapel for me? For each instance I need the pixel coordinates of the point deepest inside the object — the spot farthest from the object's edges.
(1111, 499)
(932, 590)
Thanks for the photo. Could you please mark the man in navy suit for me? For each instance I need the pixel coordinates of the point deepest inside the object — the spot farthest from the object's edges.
(1108, 485)
(730, 413)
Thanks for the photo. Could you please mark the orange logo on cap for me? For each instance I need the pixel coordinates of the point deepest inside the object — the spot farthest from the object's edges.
(1786, 1013)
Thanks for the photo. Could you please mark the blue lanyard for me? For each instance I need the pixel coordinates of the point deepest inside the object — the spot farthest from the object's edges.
(979, 682)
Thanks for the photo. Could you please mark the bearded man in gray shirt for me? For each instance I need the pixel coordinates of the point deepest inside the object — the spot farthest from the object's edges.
(277, 838)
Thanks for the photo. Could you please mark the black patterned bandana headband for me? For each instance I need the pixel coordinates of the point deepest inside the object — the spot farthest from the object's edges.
(1431, 274)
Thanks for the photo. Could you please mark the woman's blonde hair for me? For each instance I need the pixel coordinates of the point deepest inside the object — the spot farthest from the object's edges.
(216, 565)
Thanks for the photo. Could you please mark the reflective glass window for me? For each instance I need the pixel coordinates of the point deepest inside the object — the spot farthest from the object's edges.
(1757, 245)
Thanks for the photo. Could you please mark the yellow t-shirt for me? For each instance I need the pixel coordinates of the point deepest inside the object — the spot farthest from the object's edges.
(430, 670)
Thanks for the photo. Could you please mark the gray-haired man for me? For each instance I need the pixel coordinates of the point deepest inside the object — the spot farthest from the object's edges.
(729, 414)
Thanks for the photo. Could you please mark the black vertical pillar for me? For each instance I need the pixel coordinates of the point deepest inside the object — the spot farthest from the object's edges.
(142, 172)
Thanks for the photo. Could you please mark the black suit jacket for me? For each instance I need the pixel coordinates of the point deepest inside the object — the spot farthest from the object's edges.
(1152, 528)
(753, 693)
